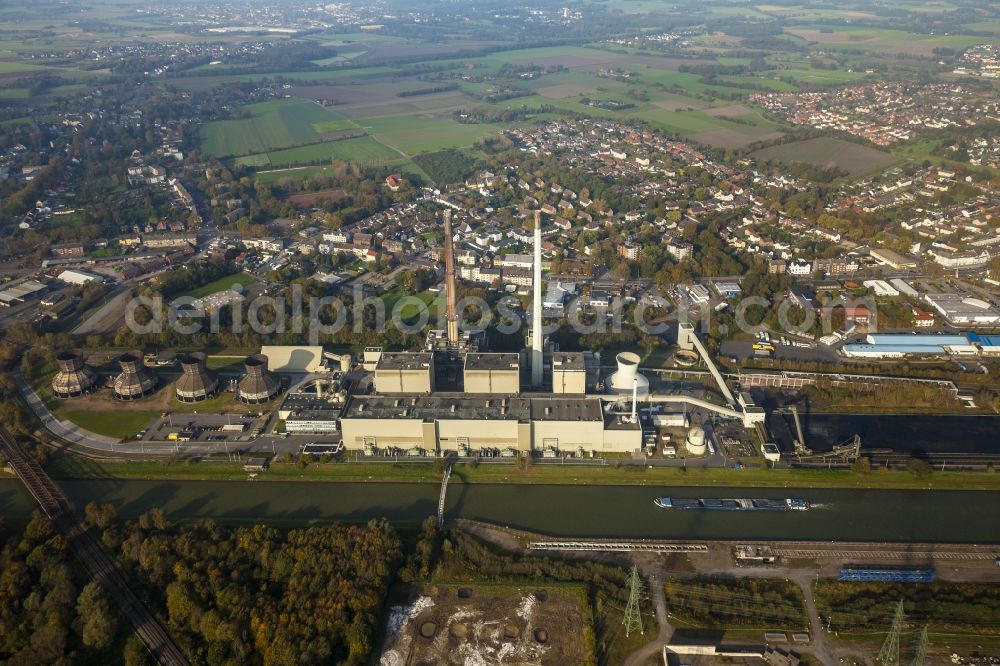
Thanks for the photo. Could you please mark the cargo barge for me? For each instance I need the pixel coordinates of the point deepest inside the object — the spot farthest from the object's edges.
(739, 504)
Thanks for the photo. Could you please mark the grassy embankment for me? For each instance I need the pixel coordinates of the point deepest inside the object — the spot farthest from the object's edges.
(71, 467)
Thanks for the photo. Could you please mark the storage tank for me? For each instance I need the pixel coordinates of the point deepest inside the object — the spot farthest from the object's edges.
(696, 444)
(346, 360)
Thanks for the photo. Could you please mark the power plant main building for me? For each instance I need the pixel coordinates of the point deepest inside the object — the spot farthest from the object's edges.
(454, 395)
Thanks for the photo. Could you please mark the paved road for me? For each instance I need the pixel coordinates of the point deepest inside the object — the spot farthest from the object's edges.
(74, 434)
(62, 429)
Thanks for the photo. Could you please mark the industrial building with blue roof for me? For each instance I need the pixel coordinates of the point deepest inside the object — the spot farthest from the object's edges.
(897, 345)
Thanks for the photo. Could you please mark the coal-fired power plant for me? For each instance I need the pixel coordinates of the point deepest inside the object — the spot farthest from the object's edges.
(456, 395)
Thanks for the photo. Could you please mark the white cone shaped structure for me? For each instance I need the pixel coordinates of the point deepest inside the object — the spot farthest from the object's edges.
(627, 379)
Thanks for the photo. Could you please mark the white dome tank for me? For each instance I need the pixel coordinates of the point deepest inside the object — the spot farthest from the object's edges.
(695, 444)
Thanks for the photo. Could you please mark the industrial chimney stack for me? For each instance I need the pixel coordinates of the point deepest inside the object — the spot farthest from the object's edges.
(449, 281)
(536, 307)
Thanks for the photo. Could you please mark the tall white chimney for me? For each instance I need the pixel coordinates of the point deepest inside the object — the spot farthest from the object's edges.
(635, 396)
(536, 319)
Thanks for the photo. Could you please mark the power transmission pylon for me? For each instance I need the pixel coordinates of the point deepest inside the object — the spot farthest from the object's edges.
(633, 619)
(921, 656)
(889, 654)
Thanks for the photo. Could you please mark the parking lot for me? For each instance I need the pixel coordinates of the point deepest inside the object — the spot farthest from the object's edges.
(203, 428)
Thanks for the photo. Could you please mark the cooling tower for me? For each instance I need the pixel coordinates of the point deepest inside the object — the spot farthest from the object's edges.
(258, 385)
(627, 378)
(74, 377)
(135, 380)
(196, 383)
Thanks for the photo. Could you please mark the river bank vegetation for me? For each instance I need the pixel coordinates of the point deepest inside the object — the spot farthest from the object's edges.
(312, 469)
(228, 595)
(50, 612)
(737, 602)
(942, 606)
(958, 617)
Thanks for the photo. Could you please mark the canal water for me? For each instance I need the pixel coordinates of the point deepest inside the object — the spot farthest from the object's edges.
(914, 433)
(595, 511)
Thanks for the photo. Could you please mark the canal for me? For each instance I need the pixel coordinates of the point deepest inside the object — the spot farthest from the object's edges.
(565, 510)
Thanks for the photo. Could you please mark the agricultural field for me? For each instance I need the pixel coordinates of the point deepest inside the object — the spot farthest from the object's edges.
(363, 149)
(881, 40)
(271, 125)
(853, 158)
(419, 134)
(375, 101)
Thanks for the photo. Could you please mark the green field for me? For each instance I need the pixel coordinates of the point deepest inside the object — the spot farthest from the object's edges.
(14, 93)
(8, 67)
(118, 424)
(419, 134)
(221, 284)
(851, 157)
(359, 150)
(820, 76)
(404, 127)
(331, 126)
(271, 126)
(299, 173)
(880, 39)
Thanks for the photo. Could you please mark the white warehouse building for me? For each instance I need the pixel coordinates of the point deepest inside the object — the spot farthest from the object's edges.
(73, 276)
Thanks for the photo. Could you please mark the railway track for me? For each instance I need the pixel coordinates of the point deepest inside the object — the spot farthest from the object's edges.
(89, 551)
(885, 554)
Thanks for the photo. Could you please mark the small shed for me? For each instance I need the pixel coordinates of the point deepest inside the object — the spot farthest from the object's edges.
(255, 464)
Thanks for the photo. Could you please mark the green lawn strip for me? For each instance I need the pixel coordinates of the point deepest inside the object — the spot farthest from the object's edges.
(222, 284)
(422, 472)
(119, 424)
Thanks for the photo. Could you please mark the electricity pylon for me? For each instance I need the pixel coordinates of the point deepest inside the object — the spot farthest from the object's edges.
(921, 656)
(889, 654)
(633, 618)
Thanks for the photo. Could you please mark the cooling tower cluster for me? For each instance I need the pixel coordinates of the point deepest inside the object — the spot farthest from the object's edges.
(197, 383)
(135, 380)
(74, 377)
(258, 385)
